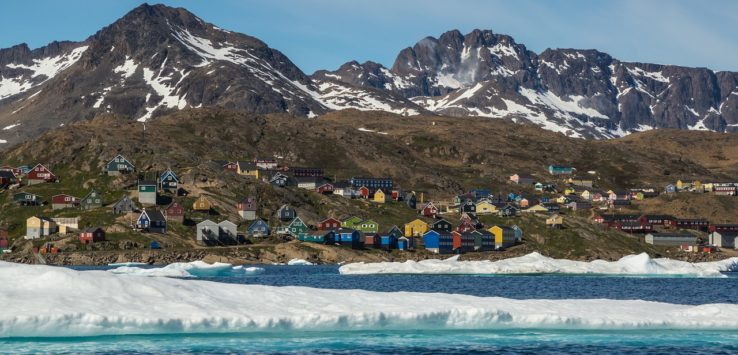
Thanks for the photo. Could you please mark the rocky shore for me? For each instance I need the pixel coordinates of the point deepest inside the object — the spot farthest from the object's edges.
(284, 252)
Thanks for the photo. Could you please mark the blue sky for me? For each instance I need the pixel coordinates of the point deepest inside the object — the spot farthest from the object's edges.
(319, 34)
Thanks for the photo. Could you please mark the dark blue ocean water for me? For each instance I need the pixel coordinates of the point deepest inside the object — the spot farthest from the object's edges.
(509, 341)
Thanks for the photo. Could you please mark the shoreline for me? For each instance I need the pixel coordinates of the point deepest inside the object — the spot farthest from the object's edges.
(316, 253)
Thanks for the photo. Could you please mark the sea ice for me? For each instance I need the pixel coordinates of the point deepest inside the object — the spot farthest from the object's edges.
(46, 301)
(535, 263)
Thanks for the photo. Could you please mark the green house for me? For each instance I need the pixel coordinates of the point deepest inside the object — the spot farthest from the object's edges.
(321, 237)
(367, 226)
(119, 165)
(351, 222)
(27, 199)
(92, 200)
(296, 227)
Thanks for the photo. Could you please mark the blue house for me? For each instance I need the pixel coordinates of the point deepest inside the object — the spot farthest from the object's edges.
(388, 242)
(152, 221)
(403, 243)
(154, 245)
(348, 236)
(438, 242)
(258, 228)
(168, 181)
(670, 189)
(560, 170)
(481, 193)
(320, 237)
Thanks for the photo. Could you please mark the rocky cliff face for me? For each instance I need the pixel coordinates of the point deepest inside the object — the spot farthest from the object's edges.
(158, 59)
(582, 93)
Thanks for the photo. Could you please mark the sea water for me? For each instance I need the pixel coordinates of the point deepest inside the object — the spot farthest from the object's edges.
(529, 340)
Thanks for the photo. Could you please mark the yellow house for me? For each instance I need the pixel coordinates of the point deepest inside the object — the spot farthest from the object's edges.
(379, 196)
(201, 204)
(697, 184)
(586, 195)
(569, 191)
(416, 228)
(555, 221)
(681, 185)
(247, 169)
(485, 207)
(708, 186)
(561, 200)
(504, 236)
(37, 227)
(537, 209)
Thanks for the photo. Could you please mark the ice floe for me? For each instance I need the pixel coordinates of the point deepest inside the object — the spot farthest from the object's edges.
(535, 263)
(46, 301)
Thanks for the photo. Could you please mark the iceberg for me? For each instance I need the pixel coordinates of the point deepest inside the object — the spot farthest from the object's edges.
(45, 301)
(535, 263)
(191, 269)
(128, 264)
(299, 262)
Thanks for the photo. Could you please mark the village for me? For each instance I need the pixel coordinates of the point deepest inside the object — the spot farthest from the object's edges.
(149, 206)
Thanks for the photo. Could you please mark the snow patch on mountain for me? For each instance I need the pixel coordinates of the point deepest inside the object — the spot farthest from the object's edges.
(165, 87)
(44, 68)
(337, 96)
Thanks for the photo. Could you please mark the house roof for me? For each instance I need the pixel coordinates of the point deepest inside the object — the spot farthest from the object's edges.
(90, 229)
(155, 215)
(146, 182)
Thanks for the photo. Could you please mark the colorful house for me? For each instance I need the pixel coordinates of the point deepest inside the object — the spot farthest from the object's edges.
(396, 231)
(91, 235)
(466, 225)
(379, 196)
(537, 209)
(286, 213)
(508, 211)
(388, 242)
(247, 208)
(404, 243)
(429, 210)
(63, 201)
(168, 181)
(124, 205)
(326, 188)
(368, 226)
(352, 237)
(416, 228)
(438, 242)
(441, 225)
(27, 199)
(329, 223)
(152, 221)
(37, 227)
(504, 236)
(174, 213)
(91, 201)
(522, 179)
(147, 192)
(296, 227)
(202, 204)
(351, 222)
(363, 192)
(555, 221)
(485, 207)
(483, 240)
(320, 237)
(279, 179)
(119, 165)
(247, 169)
(40, 174)
(258, 228)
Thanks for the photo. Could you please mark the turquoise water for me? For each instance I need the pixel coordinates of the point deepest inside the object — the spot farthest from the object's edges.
(528, 341)
(511, 341)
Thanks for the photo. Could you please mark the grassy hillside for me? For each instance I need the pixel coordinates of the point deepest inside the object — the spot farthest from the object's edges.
(437, 155)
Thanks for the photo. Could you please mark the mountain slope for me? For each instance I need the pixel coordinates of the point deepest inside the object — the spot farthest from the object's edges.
(582, 93)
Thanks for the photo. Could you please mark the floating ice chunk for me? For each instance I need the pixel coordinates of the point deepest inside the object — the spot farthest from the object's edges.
(299, 262)
(191, 269)
(536, 263)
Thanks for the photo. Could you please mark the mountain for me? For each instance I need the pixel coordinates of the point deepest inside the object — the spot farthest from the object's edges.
(581, 93)
(157, 59)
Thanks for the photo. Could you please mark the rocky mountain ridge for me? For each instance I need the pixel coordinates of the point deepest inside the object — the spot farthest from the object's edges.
(157, 59)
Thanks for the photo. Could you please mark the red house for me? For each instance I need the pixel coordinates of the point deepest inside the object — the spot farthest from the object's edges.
(230, 166)
(40, 174)
(330, 223)
(18, 172)
(396, 194)
(63, 201)
(690, 223)
(91, 235)
(364, 192)
(429, 210)
(465, 226)
(326, 188)
(175, 212)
